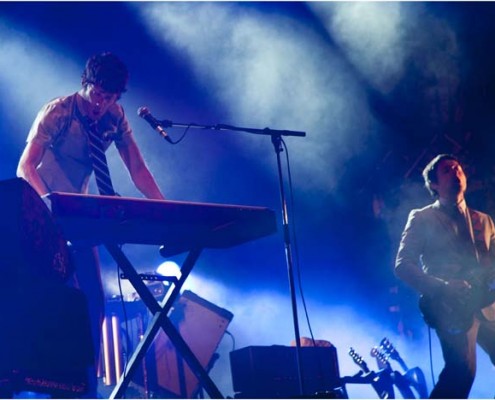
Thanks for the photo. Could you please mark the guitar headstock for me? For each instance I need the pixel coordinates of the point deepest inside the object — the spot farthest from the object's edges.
(381, 358)
(388, 348)
(358, 360)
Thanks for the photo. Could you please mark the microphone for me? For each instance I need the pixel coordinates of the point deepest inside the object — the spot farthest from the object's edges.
(144, 113)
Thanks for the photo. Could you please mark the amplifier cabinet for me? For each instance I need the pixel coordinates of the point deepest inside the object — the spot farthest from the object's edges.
(271, 371)
(202, 326)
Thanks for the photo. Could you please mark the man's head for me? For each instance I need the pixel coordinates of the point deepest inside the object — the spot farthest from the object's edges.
(444, 177)
(104, 79)
(107, 71)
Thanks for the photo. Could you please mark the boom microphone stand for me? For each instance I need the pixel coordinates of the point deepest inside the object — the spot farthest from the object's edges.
(276, 136)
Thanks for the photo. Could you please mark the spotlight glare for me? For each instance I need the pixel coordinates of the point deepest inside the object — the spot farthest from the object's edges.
(169, 269)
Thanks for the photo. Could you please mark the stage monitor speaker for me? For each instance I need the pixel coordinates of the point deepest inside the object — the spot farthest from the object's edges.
(202, 326)
(271, 371)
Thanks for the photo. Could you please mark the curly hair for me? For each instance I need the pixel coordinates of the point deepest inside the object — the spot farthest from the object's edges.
(107, 71)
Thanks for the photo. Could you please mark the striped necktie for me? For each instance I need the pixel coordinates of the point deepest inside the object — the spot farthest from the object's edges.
(97, 155)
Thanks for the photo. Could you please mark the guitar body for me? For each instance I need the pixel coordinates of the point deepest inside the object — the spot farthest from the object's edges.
(456, 314)
(446, 314)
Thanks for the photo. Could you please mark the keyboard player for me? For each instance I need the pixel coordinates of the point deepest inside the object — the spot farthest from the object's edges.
(59, 157)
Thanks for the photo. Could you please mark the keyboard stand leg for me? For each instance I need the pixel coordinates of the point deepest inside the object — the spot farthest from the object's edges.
(159, 320)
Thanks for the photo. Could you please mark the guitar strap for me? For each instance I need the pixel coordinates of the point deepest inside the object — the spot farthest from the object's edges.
(477, 231)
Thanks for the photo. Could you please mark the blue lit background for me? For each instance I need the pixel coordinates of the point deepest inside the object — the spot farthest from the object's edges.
(379, 88)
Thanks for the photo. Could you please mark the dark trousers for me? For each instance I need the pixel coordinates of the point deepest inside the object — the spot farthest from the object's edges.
(459, 353)
(87, 278)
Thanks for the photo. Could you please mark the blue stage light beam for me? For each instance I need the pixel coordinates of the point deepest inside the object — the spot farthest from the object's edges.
(266, 69)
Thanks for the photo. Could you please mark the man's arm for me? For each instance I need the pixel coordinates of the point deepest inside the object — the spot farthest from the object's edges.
(30, 159)
(140, 174)
(407, 263)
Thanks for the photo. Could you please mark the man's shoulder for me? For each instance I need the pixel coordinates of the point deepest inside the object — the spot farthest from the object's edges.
(479, 214)
(60, 105)
(426, 210)
(53, 118)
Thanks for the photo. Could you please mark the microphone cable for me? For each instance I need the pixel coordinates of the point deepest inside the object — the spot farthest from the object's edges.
(296, 248)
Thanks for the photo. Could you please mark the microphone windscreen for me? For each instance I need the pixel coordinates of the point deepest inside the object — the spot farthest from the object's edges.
(142, 111)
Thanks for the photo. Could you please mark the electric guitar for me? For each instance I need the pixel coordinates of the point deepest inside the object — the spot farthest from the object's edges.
(381, 381)
(455, 313)
(413, 376)
(400, 381)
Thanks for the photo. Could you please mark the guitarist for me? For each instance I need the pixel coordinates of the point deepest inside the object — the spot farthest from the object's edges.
(442, 247)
